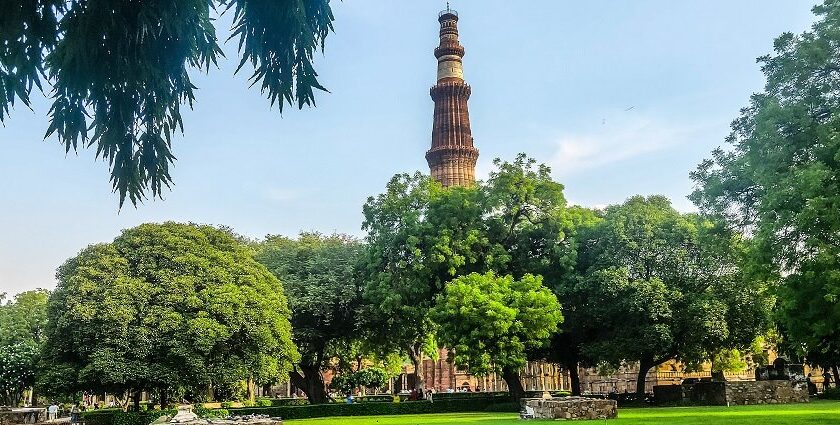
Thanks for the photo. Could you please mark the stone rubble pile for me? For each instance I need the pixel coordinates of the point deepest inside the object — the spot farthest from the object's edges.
(185, 416)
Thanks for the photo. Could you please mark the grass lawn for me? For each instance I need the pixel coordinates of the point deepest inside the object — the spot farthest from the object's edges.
(818, 412)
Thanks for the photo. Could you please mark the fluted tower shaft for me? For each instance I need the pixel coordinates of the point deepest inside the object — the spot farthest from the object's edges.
(452, 157)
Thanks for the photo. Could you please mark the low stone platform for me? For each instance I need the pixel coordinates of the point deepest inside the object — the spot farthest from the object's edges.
(569, 408)
(22, 416)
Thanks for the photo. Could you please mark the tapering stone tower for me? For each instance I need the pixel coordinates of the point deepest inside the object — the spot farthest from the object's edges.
(452, 157)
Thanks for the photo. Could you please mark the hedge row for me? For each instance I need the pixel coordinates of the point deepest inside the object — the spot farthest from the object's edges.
(493, 403)
(830, 394)
(472, 395)
(118, 417)
(486, 404)
(276, 402)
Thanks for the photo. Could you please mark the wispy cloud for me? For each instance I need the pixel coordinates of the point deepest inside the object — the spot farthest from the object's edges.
(617, 140)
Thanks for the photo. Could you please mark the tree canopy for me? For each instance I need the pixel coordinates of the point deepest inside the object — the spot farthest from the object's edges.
(24, 319)
(320, 279)
(419, 236)
(531, 230)
(663, 285)
(168, 307)
(119, 71)
(491, 322)
(22, 325)
(778, 180)
(17, 371)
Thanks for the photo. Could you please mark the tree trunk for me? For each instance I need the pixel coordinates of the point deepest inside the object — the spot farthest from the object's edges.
(514, 383)
(836, 375)
(137, 395)
(415, 352)
(124, 400)
(641, 379)
(252, 389)
(164, 397)
(574, 376)
(311, 382)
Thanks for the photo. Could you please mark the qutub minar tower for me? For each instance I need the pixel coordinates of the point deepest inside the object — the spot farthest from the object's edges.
(452, 157)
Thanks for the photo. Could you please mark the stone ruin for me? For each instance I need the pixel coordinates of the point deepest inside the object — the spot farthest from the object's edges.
(778, 383)
(9, 416)
(185, 416)
(568, 408)
(766, 392)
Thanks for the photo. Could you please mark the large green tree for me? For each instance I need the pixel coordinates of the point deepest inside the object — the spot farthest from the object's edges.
(491, 322)
(422, 235)
(120, 70)
(663, 285)
(531, 230)
(24, 318)
(779, 180)
(17, 372)
(165, 307)
(419, 236)
(22, 325)
(319, 275)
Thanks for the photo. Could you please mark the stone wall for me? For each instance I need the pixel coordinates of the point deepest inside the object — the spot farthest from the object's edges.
(711, 393)
(733, 392)
(22, 416)
(766, 392)
(572, 408)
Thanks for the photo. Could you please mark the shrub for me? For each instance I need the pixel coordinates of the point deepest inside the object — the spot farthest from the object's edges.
(831, 394)
(264, 402)
(475, 395)
(118, 417)
(277, 402)
(370, 377)
(226, 404)
(248, 403)
(374, 399)
(204, 412)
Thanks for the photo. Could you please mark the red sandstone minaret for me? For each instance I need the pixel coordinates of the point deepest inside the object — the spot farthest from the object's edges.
(452, 157)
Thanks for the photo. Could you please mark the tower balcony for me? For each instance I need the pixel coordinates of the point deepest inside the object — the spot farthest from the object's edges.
(454, 88)
(447, 50)
(445, 153)
(448, 12)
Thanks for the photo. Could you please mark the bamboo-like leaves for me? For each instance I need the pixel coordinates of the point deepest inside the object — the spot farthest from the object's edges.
(120, 70)
(279, 39)
(28, 28)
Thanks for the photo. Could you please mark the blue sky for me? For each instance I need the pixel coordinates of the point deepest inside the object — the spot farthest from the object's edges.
(619, 97)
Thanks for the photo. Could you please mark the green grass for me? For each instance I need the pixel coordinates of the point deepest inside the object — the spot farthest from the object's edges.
(818, 412)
